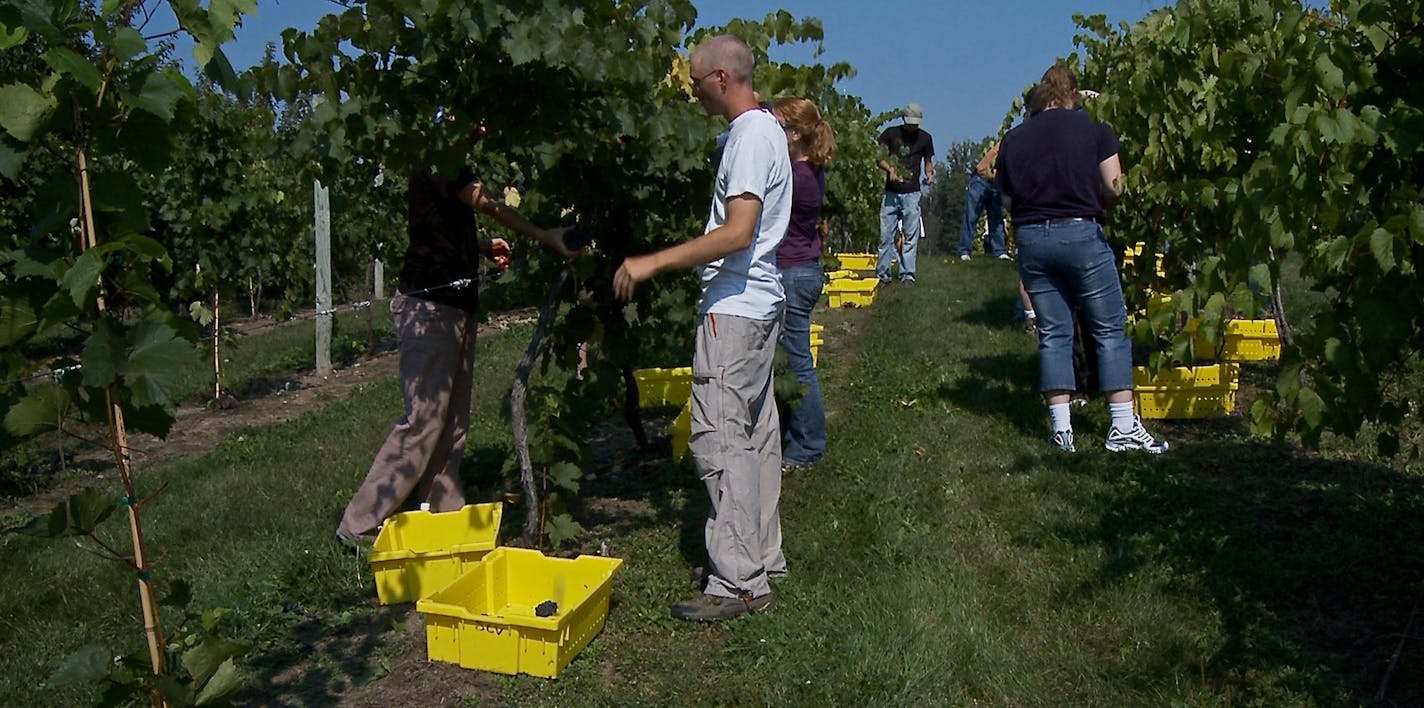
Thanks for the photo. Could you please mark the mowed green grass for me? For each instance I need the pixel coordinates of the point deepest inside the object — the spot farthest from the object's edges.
(942, 553)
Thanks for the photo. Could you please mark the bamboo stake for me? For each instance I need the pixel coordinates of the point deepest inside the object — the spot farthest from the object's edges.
(120, 448)
(217, 365)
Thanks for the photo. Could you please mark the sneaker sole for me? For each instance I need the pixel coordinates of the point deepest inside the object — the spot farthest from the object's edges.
(1127, 447)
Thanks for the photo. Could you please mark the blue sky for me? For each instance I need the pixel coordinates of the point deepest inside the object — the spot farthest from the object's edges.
(964, 62)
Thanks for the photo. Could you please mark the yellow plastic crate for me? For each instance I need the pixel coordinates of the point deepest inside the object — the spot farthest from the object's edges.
(852, 292)
(816, 341)
(681, 431)
(488, 619)
(839, 274)
(419, 552)
(1186, 392)
(663, 387)
(857, 261)
(1246, 340)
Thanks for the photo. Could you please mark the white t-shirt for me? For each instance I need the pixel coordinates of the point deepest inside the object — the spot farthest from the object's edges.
(755, 161)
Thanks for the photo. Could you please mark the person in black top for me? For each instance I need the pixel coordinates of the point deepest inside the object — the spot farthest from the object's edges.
(1058, 172)
(435, 314)
(909, 148)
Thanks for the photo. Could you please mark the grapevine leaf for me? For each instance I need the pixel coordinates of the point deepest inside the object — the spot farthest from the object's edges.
(82, 278)
(11, 160)
(128, 43)
(1382, 246)
(203, 661)
(225, 681)
(23, 109)
(179, 594)
(83, 512)
(37, 412)
(156, 355)
(158, 94)
(88, 665)
(1311, 406)
(11, 37)
(103, 354)
(566, 475)
(68, 62)
(18, 320)
(1416, 223)
(562, 527)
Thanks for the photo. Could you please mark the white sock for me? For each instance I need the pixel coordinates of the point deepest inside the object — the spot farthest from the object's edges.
(1028, 314)
(1122, 416)
(1058, 414)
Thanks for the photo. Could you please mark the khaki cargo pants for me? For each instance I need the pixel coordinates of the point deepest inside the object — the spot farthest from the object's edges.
(736, 443)
(423, 451)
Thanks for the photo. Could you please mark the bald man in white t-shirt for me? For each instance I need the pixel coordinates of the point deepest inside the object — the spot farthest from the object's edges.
(736, 440)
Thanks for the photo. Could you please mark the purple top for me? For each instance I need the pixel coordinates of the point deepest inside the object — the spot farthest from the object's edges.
(802, 243)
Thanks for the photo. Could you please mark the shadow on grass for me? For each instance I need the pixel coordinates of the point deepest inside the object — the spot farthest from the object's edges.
(640, 490)
(1002, 385)
(1313, 566)
(994, 312)
(325, 657)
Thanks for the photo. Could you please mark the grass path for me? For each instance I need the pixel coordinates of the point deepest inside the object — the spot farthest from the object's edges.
(942, 553)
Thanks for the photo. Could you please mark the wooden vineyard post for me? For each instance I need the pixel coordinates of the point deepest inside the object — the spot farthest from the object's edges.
(151, 625)
(324, 314)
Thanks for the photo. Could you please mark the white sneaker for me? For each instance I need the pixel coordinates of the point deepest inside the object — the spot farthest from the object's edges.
(1004, 257)
(1136, 439)
(964, 257)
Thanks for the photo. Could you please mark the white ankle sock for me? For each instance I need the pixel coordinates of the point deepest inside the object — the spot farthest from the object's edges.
(1122, 417)
(1058, 414)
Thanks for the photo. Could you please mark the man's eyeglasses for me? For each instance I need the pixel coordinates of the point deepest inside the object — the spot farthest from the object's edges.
(698, 79)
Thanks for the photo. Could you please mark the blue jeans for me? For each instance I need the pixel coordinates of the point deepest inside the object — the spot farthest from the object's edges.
(803, 440)
(902, 210)
(1070, 265)
(982, 196)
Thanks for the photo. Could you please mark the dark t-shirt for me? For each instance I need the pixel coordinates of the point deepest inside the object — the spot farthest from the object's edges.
(1048, 166)
(444, 241)
(802, 243)
(911, 151)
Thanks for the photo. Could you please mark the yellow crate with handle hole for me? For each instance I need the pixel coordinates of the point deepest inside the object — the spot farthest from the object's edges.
(817, 332)
(519, 611)
(1186, 392)
(419, 552)
(852, 292)
(1245, 340)
(857, 261)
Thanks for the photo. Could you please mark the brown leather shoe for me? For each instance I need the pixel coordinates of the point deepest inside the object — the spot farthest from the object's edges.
(711, 608)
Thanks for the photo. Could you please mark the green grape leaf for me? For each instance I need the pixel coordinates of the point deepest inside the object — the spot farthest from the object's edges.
(561, 528)
(68, 62)
(566, 475)
(127, 44)
(1382, 246)
(156, 356)
(18, 320)
(37, 412)
(82, 278)
(23, 110)
(83, 512)
(1311, 406)
(11, 37)
(224, 682)
(103, 354)
(11, 160)
(204, 660)
(86, 666)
